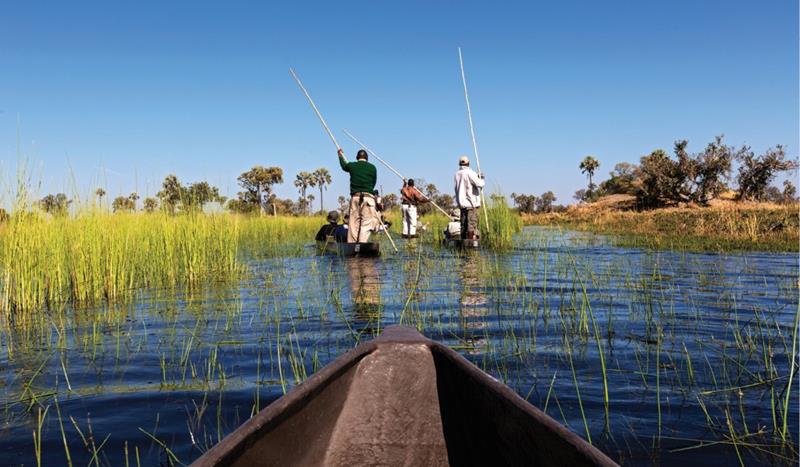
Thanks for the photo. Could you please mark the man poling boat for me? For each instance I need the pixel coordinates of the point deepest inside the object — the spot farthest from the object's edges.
(468, 190)
(364, 216)
(363, 177)
(410, 198)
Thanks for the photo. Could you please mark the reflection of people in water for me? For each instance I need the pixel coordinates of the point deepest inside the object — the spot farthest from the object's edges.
(365, 289)
(472, 296)
(473, 301)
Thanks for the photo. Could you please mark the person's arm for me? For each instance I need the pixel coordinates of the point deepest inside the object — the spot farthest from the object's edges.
(343, 162)
(477, 180)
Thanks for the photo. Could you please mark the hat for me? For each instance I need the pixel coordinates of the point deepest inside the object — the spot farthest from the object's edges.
(463, 160)
(333, 217)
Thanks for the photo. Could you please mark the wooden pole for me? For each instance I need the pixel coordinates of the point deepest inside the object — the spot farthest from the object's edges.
(472, 133)
(313, 106)
(393, 170)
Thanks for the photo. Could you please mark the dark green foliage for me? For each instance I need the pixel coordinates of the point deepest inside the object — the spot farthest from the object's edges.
(545, 201)
(757, 172)
(526, 204)
(257, 185)
(55, 204)
(623, 180)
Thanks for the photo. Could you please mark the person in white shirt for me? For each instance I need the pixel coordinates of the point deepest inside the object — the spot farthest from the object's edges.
(468, 197)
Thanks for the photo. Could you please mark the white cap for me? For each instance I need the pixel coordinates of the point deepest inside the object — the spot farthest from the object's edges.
(463, 160)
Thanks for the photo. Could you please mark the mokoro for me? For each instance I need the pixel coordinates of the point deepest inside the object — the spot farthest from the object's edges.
(463, 244)
(402, 399)
(350, 249)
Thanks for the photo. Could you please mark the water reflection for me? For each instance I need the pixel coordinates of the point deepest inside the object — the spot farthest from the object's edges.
(473, 309)
(365, 290)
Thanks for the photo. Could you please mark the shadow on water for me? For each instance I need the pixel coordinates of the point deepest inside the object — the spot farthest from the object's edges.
(696, 349)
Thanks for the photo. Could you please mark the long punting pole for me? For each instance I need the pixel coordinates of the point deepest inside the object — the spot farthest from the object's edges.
(472, 132)
(313, 106)
(392, 169)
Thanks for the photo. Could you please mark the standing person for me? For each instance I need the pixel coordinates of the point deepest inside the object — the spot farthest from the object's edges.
(363, 216)
(468, 198)
(410, 197)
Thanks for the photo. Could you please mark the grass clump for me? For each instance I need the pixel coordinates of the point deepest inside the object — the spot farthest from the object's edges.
(94, 256)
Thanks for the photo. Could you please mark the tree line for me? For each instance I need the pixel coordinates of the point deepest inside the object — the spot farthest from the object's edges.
(256, 195)
(661, 180)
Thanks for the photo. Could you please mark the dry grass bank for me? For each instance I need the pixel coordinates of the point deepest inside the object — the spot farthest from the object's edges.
(724, 226)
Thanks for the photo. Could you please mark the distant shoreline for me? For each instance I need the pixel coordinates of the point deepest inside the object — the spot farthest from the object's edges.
(727, 227)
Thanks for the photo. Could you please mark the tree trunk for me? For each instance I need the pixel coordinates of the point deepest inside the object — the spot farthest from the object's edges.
(321, 205)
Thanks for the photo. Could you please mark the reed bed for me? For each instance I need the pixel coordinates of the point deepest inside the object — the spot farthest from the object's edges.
(93, 256)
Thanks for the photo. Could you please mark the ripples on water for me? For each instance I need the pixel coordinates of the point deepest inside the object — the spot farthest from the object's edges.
(695, 340)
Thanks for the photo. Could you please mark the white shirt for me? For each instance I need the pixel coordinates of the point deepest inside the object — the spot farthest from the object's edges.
(468, 185)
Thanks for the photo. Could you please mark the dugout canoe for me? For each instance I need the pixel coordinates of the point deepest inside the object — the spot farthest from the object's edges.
(402, 399)
(459, 243)
(364, 249)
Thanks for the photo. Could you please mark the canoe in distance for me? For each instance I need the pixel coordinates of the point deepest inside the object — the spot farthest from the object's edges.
(364, 249)
(402, 399)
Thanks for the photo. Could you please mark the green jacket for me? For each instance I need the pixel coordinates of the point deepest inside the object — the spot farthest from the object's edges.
(363, 175)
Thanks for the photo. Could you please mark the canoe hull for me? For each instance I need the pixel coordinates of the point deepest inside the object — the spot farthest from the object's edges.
(363, 250)
(401, 398)
(462, 244)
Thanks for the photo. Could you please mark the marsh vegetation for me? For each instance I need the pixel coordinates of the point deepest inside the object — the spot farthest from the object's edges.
(134, 352)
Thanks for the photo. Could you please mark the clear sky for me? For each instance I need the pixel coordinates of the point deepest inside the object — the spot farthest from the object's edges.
(120, 94)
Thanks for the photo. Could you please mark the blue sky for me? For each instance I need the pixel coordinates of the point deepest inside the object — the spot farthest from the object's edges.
(121, 94)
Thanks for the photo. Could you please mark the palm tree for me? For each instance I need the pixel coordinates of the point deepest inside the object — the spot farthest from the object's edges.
(302, 181)
(588, 165)
(322, 178)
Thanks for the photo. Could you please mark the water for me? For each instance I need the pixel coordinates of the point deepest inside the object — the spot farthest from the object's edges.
(687, 339)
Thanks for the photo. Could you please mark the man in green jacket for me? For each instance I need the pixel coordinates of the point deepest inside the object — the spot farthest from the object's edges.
(363, 215)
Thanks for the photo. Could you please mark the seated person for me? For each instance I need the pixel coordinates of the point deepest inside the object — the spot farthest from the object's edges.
(453, 229)
(329, 228)
(340, 234)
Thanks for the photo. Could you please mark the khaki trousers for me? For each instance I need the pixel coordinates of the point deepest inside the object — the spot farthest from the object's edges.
(469, 222)
(363, 218)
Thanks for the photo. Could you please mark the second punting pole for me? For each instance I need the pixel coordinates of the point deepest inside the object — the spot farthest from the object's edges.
(393, 170)
(472, 133)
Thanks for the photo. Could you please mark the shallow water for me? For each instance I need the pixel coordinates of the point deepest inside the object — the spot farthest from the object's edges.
(700, 342)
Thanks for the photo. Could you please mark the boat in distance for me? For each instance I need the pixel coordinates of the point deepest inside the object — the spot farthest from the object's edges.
(402, 399)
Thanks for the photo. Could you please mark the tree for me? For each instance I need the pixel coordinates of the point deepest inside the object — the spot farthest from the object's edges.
(197, 195)
(789, 192)
(133, 197)
(55, 204)
(545, 201)
(757, 172)
(302, 181)
(622, 181)
(171, 193)
(580, 195)
(389, 201)
(257, 185)
(662, 180)
(343, 205)
(526, 204)
(322, 178)
(121, 204)
(706, 172)
(100, 193)
(150, 204)
(588, 165)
